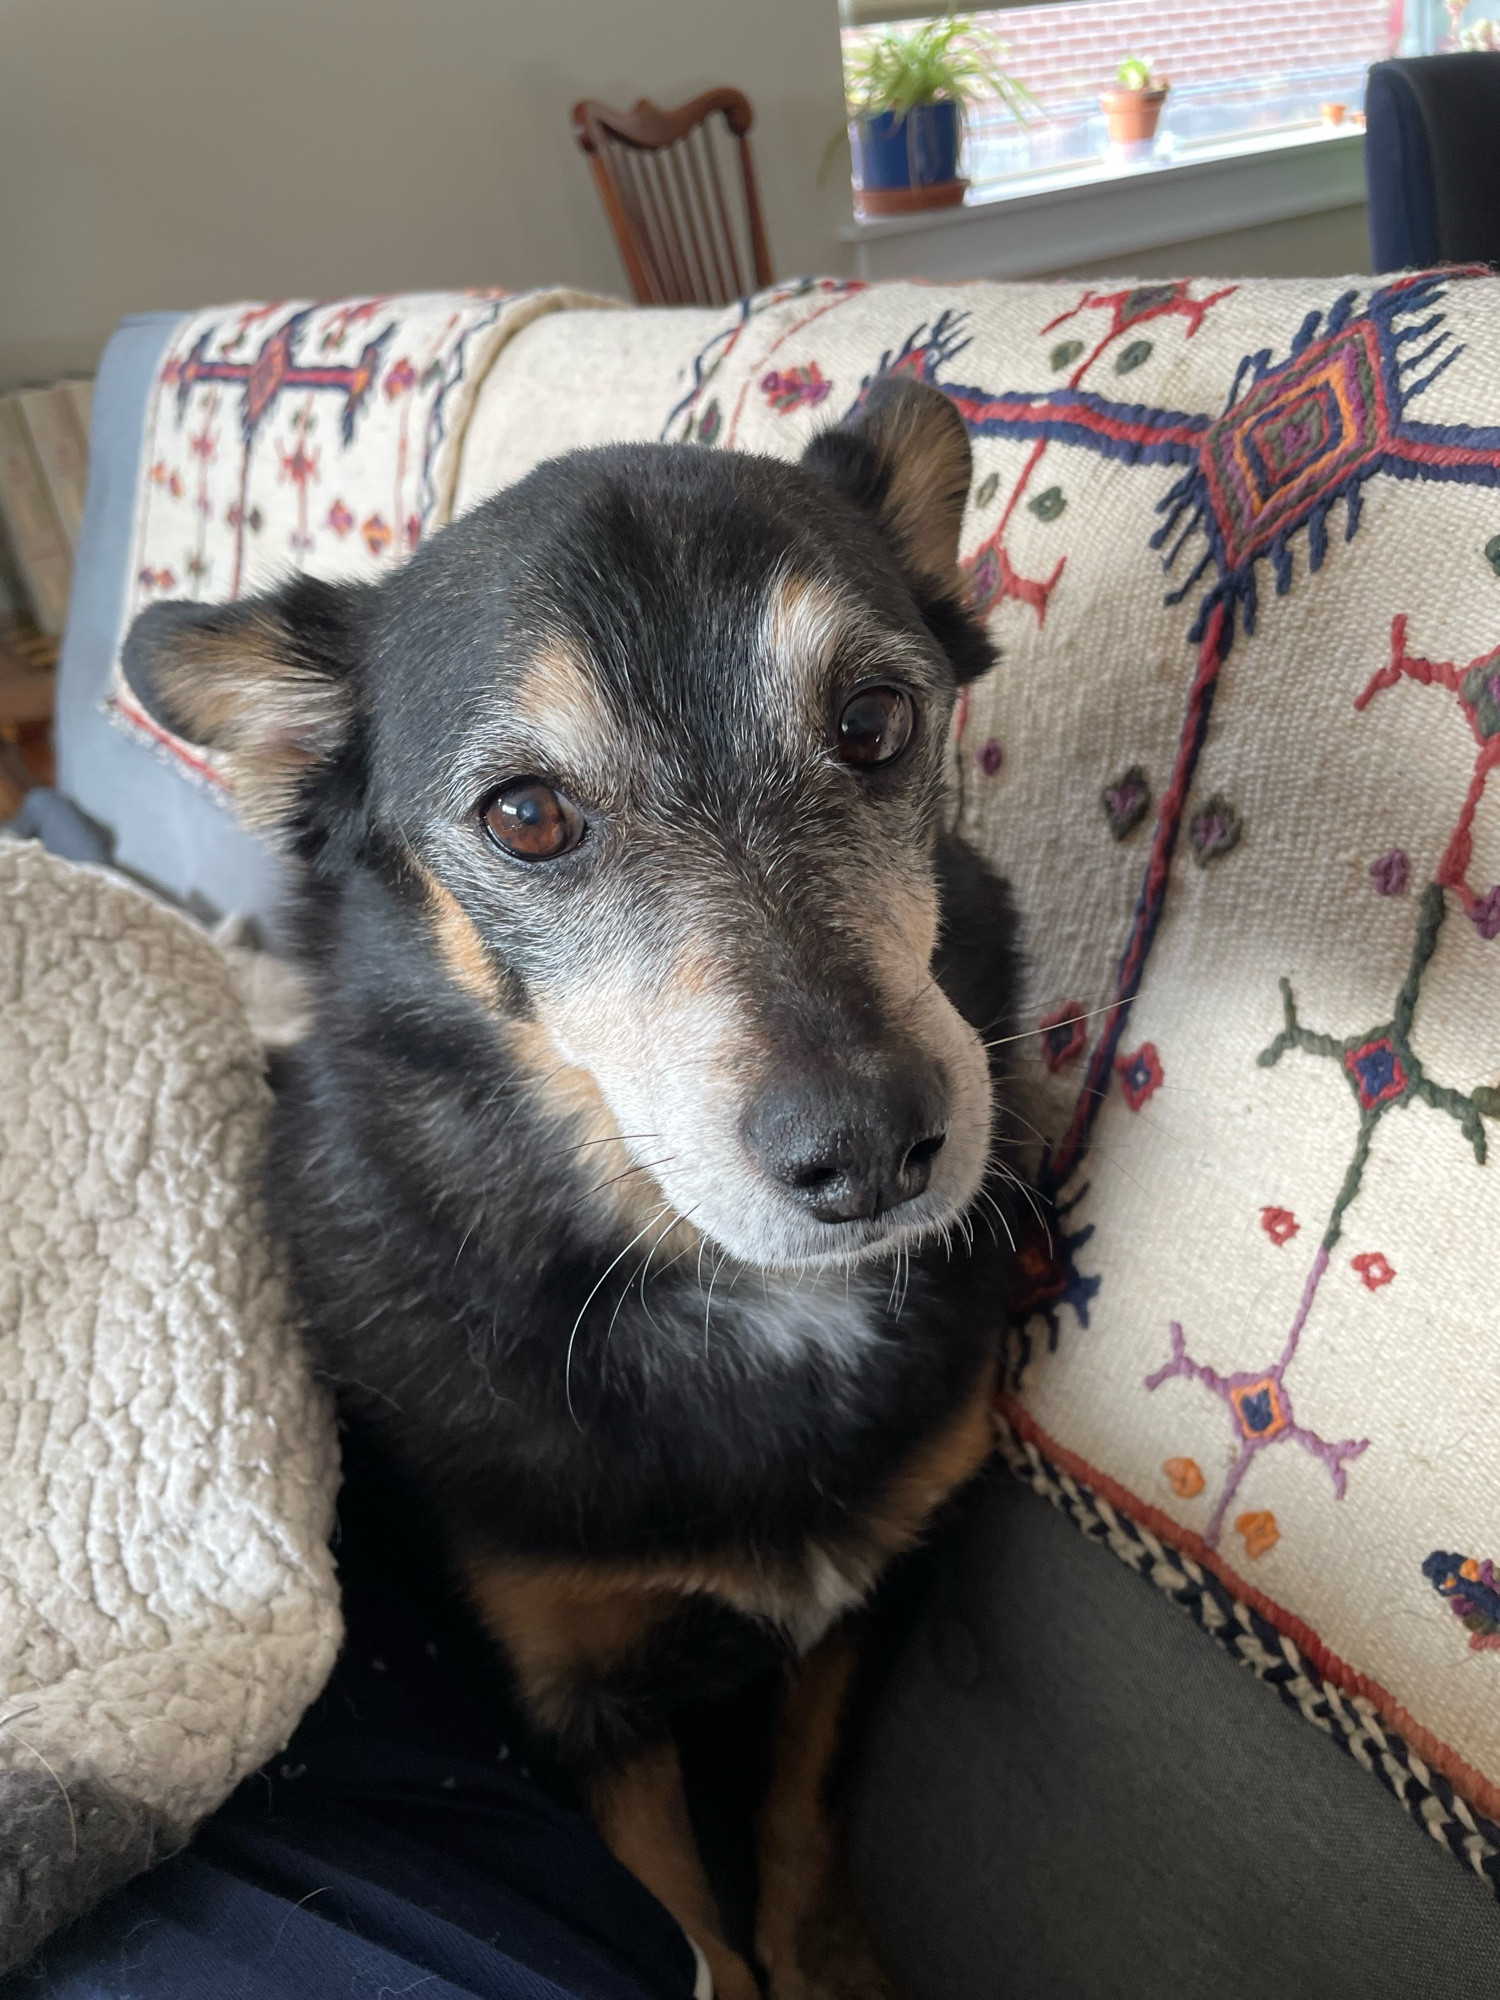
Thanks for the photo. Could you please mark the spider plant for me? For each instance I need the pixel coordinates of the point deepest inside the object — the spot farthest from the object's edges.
(953, 57)
(1136, 73)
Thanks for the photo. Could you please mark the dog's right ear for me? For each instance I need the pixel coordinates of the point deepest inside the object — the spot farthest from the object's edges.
(272, 683)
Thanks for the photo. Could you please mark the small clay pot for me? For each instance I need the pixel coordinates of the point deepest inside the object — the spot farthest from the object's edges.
(910, 201)
(1132, 115)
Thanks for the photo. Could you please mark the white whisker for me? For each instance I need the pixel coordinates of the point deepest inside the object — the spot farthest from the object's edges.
(1071, 1021)
(572, 1337)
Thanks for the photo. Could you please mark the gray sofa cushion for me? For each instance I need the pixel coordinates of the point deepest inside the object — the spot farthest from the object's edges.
(1072, 1794)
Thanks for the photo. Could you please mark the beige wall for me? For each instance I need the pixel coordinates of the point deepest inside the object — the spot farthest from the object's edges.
(180, 152)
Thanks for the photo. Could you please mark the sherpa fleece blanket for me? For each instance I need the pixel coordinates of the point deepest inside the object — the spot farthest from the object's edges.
(167, 1600)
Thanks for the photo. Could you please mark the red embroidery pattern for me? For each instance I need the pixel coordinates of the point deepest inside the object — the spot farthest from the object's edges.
(1140, 1075)
(1063, 1035)
(1373, 1269)
(1476, 685)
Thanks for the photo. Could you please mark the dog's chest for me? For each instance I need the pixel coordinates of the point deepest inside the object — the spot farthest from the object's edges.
(837, 1318)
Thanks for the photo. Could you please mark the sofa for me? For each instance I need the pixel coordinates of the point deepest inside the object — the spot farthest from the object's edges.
(1203, 1697)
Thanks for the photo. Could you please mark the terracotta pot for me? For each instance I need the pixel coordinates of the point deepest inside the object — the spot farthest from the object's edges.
(910, 201)
(1132, 115)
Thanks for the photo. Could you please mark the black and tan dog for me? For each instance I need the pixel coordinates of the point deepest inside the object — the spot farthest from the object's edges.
(631, 1171)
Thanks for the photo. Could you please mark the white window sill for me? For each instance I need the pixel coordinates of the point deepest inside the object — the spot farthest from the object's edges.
(1031, 225)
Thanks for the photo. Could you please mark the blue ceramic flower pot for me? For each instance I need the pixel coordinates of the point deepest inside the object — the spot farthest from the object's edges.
(919, 151)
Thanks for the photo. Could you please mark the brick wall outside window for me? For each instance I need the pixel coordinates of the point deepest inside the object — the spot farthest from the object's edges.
(1064, 51)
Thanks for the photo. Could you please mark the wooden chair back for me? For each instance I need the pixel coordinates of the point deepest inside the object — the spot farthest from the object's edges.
(661, 180)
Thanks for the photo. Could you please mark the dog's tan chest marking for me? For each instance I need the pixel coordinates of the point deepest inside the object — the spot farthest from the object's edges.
(566, 1623)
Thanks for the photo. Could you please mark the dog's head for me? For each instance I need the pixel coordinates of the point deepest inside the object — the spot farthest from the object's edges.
(653, 745)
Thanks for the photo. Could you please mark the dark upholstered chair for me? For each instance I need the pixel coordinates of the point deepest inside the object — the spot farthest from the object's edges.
(1432, 161)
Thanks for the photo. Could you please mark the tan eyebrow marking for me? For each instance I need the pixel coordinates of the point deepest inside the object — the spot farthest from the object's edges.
(813, 633)
(559, 698)
(804, 620)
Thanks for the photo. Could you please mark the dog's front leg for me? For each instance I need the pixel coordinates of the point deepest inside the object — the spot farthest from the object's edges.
(642, 1812)
(809, 1936)
(571, 1633)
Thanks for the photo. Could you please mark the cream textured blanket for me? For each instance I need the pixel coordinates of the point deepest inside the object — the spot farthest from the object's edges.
(167, 1599)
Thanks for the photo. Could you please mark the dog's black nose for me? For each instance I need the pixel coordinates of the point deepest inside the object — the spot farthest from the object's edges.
(851, 1148)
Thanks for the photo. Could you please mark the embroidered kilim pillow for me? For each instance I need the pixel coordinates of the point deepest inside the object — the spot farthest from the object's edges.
(1240, 547)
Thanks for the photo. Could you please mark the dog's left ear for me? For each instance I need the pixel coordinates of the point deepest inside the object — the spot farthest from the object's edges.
(903, 457)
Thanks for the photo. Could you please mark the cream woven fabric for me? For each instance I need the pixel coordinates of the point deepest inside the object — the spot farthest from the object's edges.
(167, 1600)
(311, 436)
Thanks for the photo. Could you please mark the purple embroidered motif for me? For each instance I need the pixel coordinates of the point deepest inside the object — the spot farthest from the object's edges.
(1390, 872)
(1126, 801)
(1260, 1409)
(991, 757)
(1486, 913)
(1214, 830)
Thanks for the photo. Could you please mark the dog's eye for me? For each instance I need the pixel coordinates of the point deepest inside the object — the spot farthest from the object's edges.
(529, 819)
(875, 726)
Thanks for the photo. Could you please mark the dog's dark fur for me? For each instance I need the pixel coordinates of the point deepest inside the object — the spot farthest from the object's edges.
(672, 1418)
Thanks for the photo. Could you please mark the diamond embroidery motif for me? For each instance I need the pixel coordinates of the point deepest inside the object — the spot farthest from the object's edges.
(1259, 1408)
(1297, 433)
(1376, 1072)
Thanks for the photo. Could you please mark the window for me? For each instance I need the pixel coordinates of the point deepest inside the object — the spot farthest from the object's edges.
(1240, 70)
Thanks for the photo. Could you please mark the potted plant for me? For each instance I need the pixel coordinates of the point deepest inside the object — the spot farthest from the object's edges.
(908, 90)
(1132, 104)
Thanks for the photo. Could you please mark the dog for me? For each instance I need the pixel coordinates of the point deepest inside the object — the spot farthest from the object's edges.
(636, 1175)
